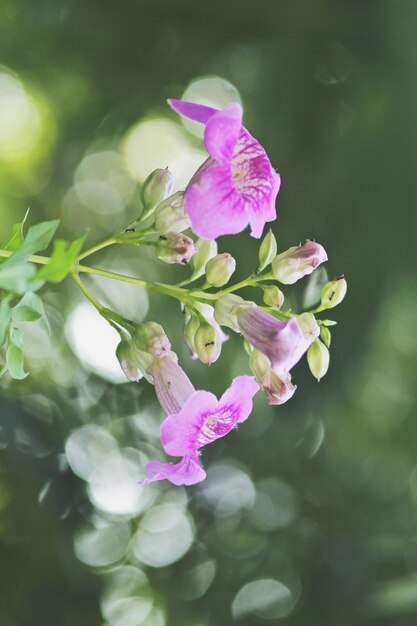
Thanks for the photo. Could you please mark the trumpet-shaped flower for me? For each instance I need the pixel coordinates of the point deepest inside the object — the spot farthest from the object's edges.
(236, 185)
(201, 420)
(284, 343)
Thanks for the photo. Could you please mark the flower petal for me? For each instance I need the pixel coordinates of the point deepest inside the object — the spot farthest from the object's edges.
(222, 132)
(172, 385)
(212, 203)
(192, 110)
(187, 472)
(180, 433)
(239, 396)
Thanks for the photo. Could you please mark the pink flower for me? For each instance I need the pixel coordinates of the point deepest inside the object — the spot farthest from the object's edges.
(284, 343)
(237, 185)
(202, 420)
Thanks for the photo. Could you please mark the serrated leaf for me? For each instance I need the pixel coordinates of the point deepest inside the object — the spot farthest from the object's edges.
(14, 355)
(30, 309)
(17, 237)
(5, 318)
(63, 257)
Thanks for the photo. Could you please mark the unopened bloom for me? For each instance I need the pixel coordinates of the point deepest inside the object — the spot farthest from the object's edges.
(298, 261)
(156, 187)
(175, 248)
(171, 216)
(273, 296)
(172, 385)
(277, 391)
(219, 269)
(206, 250)
(318, 358)
(125, 353)
(151, 337)
(283, 342)
(207, 343)
(201, 420)
(237, 185)
(333, 293)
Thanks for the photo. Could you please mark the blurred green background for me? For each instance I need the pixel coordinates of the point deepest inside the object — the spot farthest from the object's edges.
(309, 515)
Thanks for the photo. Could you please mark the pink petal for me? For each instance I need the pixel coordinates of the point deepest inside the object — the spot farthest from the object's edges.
(239, 396)
(192, 110)
(256, 181)
(187, 472)
(172, 385)
(213, 205)
(180, 433)
(222, 132)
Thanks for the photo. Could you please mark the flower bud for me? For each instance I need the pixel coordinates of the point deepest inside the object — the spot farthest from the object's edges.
(171, 216)
(226, 309)
(175, 248)
(325, 336)
(333, 293)
(219, 269)
(172, 385)
(191, 326)
(318, 358)
(156, 187)
(206, 250)
(125, 354)
(267, 250)
(273, 296)
(297, 262)
(278, 391)
(151, 337)
(308, 325)
(207, 343)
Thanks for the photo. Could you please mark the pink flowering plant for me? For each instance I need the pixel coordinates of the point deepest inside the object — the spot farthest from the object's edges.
(235, 187)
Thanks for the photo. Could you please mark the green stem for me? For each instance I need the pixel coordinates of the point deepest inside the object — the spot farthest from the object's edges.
(99, 246)
(41, 260)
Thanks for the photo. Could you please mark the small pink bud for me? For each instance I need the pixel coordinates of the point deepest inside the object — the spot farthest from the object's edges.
(298, 261)
(175, 248)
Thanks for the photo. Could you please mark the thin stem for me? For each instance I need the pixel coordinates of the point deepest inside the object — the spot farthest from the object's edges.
(41, 260)
(99, 246)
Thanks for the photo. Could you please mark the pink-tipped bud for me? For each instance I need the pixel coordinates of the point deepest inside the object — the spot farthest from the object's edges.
(278, 391)
(298, 261)
(175, 248)
(151, 337)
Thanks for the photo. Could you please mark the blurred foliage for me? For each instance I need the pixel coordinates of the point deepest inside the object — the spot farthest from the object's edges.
(315, 522)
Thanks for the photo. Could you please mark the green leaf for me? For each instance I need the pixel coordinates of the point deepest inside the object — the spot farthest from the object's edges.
(15, 278)
(63, 257)
(14, 355)
(328, 322)
(17, 237)
(5, 318)
(38, 238)
(29, 309)
(325, 336)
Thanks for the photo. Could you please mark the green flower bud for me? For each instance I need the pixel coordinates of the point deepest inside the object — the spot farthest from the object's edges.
(125, 353)
(175, 248)
(206, 250)
(333, 293)
(273, 296)
(207, 343)
(156, 187)
(151, 337)
(267, 250)
(219, 269)
(325, 336)
(171, 216)
(308, 325)
(192, 324)
(227, 308)
(318, 358)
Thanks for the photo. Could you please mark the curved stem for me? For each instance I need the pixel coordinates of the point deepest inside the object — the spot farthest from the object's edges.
(99, 246)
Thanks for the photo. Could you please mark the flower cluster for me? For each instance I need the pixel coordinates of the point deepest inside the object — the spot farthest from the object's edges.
(235, 187)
